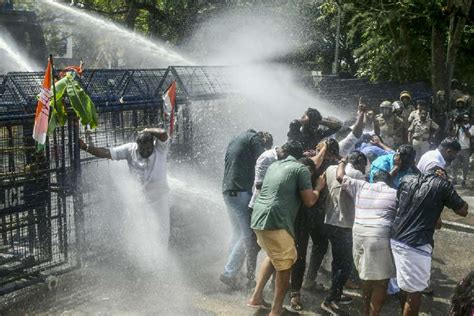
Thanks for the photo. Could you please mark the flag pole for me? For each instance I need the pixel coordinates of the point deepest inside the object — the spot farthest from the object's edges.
(53, 83)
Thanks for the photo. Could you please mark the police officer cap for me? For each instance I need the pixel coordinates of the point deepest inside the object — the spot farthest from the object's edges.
(405, 94)
(462, 99)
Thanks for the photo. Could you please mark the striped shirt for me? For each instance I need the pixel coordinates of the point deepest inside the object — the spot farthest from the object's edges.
(375, 203)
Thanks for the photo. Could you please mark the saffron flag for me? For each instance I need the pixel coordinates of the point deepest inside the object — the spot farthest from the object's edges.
(169, 99)
(42, 108)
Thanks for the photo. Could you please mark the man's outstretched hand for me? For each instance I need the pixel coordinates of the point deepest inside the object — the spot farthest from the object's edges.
(82, 144)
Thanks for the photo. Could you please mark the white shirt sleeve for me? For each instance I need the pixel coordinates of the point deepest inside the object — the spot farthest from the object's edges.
(347, 144)
(162, 146)
(352, 186)
(121, 152)
(263, 162)
(430, 165)
(471, 130)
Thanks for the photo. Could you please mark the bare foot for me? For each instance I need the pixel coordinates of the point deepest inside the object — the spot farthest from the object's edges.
(255, 300)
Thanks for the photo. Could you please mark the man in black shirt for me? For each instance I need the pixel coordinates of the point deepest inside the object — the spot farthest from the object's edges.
(307, 129)
(239, 172)
(310, 223)
(421, 199)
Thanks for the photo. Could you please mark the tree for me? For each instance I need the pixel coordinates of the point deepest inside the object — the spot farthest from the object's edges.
(410, 40)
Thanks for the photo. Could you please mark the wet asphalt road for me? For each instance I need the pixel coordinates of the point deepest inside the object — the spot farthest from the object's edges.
(190, 286)
(113, 283)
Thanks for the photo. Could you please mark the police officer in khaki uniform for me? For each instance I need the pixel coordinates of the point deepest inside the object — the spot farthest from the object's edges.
(405, 98)
(420, 132)
(392, 127)
(420, 105)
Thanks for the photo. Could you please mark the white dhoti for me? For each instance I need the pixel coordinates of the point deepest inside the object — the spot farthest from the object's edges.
(413, 266)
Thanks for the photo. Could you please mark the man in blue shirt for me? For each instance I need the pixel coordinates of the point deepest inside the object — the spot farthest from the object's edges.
(398, 164)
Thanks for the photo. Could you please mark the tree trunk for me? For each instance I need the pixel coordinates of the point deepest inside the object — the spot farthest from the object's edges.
(131, 15)
(438, 57)
(404, 49)
(456, 28)
(153, 23)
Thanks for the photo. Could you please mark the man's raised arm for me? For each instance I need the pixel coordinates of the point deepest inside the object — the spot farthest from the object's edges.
(159, 133)
(99, 152)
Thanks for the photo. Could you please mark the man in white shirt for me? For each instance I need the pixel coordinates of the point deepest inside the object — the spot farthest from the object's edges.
(464, 131)
(146, 158)
(347, 144)
(339, 220)
(441, 157)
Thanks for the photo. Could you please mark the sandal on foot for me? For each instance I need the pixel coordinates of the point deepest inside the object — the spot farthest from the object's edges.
(261, 305)
(296, 306)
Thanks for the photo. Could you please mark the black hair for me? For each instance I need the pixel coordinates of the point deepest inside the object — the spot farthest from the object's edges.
(314, 116)
(293, 148)
(462, 301)
(381, 176)
(407, 152)
(333, 147)
(450, 143)
(144, 137)
(357, 158)
(309, 163)
(267, 139)
(381, 138)
(366, 138)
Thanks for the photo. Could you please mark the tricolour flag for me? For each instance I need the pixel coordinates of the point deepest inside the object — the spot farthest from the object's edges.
(169, 99)
(42, 108)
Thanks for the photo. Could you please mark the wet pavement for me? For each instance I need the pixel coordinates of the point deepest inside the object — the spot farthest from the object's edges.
(190, 286)
(187, 281)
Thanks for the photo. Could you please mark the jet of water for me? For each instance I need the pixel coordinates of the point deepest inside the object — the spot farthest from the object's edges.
(127, 36)
(13, 54)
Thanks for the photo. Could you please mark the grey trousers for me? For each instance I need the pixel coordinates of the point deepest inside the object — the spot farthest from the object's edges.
(462, 160)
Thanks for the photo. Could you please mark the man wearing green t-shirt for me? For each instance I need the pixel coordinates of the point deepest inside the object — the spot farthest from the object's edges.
(287, 183)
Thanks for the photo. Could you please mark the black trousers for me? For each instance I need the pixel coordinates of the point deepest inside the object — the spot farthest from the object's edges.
(308, 223)
(342, 262)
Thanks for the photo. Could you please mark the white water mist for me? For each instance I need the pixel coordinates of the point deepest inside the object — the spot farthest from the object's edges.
(272, 94)
(136, 48)
(13, 59)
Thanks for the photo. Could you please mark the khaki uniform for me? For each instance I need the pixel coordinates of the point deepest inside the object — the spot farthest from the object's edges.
(420, 134)
(406, 113)
(415, 115)
(391, 130)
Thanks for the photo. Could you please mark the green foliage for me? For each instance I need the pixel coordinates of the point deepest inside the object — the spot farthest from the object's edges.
(381, 40)
(80, 102)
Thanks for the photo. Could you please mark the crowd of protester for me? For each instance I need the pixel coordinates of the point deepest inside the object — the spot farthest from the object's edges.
(373, 194)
